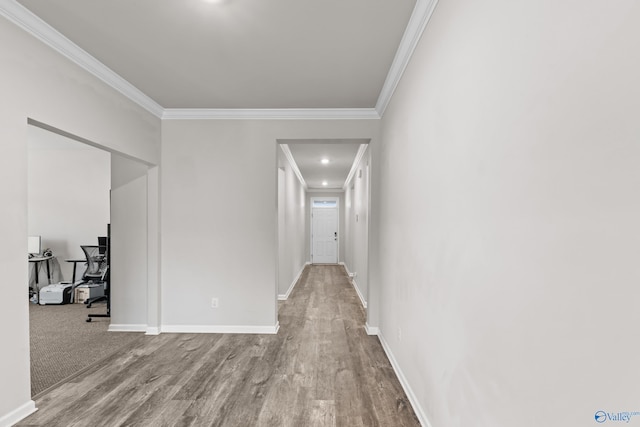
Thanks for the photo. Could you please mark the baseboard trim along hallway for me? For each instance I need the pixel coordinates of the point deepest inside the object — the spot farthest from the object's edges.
(220, 329)
(18, 414)
(362, 300)
(127, 328)
(284, 297)
(422, 416)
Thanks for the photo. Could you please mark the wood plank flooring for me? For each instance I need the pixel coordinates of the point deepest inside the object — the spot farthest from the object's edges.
(321, 369)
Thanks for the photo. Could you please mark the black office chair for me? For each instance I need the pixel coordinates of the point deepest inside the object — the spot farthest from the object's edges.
(97, 270)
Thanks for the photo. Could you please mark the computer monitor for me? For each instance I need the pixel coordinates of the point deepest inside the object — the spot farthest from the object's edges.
(34, 245)
(102, 245)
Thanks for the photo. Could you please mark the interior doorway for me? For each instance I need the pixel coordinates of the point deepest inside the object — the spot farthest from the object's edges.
(324, 230)
(76, 188)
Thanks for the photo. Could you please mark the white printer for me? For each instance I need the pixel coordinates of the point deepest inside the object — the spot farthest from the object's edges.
(58, 293)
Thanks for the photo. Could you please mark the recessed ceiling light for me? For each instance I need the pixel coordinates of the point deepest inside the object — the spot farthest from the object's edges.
(325, 183)
(324, 161)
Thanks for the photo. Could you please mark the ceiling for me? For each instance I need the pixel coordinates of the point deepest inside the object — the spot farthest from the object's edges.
(341, 154)
(247, 54)
(181, 56)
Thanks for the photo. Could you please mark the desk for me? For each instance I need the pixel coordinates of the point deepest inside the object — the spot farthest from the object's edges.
(36, 260)
(75, 264)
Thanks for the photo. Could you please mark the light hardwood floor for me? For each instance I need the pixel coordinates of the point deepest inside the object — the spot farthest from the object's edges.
(321, 369)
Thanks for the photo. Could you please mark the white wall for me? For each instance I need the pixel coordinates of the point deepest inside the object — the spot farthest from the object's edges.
(291, 225)
(40, 84)
(508, 223)
(68, 195)
(128, 245)
(219, 218)
(356, 217)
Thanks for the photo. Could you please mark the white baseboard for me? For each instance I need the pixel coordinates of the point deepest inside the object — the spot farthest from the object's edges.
(355, 286)
(422, 416)
(371, 330)
(350, 274)
(155, 330)
(284, 297)
(220, 329)
(127, 328)
(18, 414)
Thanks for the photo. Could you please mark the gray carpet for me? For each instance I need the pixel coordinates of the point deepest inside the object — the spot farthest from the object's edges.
(62, 343)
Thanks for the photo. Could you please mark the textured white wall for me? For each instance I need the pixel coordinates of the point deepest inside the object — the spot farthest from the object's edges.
(39, 84)
(128, 245)
(356, 227)
(508, 196)
(293, 241)
(68, 188)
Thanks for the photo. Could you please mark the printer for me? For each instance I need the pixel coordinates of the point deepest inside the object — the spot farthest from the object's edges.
(58, 293)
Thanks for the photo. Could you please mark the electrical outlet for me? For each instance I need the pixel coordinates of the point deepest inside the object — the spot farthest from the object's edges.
(214, 302)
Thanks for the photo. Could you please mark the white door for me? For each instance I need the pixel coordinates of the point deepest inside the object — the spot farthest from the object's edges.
(324, 236)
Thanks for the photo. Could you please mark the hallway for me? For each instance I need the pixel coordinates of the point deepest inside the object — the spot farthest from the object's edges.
(321, 369)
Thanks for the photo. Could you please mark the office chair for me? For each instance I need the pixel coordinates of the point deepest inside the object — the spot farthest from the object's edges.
(102, 244)
(97, 270)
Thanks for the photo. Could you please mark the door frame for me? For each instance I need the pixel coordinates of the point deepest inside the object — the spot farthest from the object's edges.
(337, 208)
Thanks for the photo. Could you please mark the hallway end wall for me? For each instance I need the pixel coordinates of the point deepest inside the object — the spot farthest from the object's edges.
(341, 223)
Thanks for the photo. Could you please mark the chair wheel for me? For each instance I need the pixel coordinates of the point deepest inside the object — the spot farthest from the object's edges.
(88, 319)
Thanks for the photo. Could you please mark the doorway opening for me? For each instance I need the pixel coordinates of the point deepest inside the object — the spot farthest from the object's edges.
(323, 209)
(74, 193)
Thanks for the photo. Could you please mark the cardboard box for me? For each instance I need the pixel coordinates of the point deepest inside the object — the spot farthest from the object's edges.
(86, 291)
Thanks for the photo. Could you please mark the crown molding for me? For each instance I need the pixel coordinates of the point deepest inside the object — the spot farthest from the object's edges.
(25, 19)
(354, 167)
(325, 190)
(270, 113)
(294, 165)
(32, 24)
(420, 17)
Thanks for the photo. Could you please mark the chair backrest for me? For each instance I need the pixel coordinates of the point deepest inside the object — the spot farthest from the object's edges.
(102, 244)
(96, 263)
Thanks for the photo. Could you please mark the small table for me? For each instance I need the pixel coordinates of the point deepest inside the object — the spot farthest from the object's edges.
(37, 260)
(75, 264)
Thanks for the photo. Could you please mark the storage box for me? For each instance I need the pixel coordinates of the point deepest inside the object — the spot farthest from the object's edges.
(88, 290)
(59, 293)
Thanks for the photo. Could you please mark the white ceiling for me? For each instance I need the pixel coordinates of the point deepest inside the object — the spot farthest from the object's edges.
(197, 57)
(239, 53)
(308, 155)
